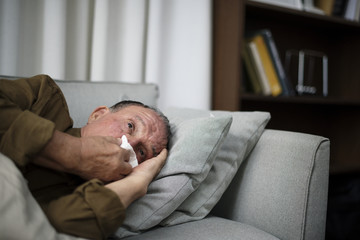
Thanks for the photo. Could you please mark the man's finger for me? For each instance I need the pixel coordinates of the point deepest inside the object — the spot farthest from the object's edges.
(163, 155)
(126, 154)
(125, 168)
(122, 171)
(157, 162)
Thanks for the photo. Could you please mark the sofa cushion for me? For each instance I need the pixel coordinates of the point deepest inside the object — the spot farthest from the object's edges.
(193, 148)
(244, 133)
(211, 228)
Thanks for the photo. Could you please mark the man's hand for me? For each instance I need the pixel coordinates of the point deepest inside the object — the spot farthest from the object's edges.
(103, 158)
(88, 157)
(135, 185)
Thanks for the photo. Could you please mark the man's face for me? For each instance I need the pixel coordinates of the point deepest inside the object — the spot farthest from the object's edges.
(143, 128)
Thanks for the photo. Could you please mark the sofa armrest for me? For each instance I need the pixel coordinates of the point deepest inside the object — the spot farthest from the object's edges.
(282, 186)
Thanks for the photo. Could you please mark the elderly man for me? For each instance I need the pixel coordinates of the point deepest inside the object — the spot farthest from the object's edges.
(81, 177)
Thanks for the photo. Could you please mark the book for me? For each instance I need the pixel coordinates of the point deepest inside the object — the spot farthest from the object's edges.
(339, 8)
(351, 10)
(309, 6)
(267, 64)
(287, 88)
(249, 67)
(325, 5)
(357, 14)
(264, 82)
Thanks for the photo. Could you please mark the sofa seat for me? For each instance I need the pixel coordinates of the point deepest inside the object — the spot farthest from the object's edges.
(209, 228)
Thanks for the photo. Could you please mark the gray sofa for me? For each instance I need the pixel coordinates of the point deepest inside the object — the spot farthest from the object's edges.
(279, 191)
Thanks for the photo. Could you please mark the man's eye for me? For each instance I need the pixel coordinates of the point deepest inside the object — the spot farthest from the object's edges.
(130, 125)
(141, 157)
(141, 152)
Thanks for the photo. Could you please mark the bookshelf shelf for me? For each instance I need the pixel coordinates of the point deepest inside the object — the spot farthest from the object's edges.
(336, 116)
(316, 101)
(300, 15)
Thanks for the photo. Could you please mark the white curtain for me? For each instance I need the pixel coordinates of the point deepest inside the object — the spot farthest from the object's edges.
(167, 42)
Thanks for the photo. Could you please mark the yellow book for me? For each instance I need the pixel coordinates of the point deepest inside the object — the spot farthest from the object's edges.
(268, 65)
(326, 5)
(259, 70)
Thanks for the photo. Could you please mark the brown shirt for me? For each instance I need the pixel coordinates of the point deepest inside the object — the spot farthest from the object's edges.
(30, 111)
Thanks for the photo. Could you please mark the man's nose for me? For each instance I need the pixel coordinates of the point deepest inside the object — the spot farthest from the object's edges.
(133, 141)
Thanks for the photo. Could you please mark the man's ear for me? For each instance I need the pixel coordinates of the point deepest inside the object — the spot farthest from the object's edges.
(97, 113)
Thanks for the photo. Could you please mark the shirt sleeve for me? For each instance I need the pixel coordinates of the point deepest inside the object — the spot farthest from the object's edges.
(26, 107)
(92, 211)
(31, 110)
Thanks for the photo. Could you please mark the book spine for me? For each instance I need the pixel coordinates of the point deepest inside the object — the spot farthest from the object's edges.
(350, 10)
(265, 86)
(325, 5)
(250, 67)
(268, 65)
(339, 8)
(284, 81)
(357, 14)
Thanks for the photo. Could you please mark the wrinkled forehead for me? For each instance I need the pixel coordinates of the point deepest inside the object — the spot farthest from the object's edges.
(144, 115)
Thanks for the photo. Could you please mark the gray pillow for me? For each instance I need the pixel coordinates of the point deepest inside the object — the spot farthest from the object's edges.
(193, 148)
(245, 131)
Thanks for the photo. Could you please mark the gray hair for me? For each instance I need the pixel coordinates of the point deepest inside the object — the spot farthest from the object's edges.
(127, 103)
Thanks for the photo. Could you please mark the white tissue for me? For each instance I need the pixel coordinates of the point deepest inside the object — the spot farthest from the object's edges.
(126, 145)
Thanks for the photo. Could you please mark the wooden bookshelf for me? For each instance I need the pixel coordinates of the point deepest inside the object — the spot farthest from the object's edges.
(336, 116)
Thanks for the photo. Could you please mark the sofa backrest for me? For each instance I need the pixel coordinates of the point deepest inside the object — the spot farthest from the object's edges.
(81, 100)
